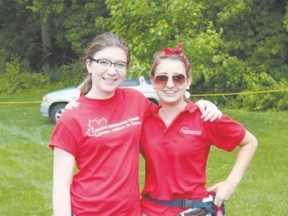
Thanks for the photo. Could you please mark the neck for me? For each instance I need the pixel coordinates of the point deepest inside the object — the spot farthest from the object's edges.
(168, 112)
(96, 94)
(174, 108)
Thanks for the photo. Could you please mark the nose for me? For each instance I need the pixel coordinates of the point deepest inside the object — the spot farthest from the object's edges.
(170, 83)
(111, 70)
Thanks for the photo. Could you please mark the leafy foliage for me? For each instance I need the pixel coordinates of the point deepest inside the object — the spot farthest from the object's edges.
(233, 45)
(149, 26)
(16, 79)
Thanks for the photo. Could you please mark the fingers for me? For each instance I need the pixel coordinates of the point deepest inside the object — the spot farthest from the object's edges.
(209, 110)
(211, 113)
(212, 188)
(223, 193)
(201, 106)
(219, 197)
(217, 114)
(218, 201)
(72, 105)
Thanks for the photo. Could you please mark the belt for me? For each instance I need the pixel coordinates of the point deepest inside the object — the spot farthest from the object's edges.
(206, 203)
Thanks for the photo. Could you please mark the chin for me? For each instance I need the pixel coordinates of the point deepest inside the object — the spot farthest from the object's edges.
(108, 89)
(169, 101)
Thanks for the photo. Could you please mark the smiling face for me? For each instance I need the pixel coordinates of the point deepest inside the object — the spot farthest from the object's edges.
(105, 78)
(170, 81)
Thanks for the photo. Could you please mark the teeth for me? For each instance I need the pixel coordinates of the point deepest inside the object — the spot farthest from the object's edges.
(110, 79)
(170, 92)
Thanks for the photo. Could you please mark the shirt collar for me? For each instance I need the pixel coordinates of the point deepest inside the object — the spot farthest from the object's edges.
(190, 107)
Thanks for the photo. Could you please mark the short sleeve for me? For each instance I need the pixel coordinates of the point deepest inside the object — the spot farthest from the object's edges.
(62, 137)
(225, 133)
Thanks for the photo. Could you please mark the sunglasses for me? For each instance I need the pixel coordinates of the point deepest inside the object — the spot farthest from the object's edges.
(178, 79)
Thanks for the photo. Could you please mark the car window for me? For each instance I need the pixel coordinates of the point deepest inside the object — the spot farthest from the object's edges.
(130, 82)
(148, 81)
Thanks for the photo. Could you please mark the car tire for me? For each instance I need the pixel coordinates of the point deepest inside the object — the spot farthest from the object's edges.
(56, 112)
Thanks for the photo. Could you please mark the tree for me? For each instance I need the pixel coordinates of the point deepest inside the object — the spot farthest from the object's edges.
(46, 10)
(48, 33)
(151, 25)
(19, 31)
(234, 45)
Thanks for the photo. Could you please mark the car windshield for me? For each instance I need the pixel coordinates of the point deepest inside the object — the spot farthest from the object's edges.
(130, 82)
(148, 81)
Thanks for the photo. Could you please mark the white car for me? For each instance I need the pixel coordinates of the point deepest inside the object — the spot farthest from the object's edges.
(53, 103)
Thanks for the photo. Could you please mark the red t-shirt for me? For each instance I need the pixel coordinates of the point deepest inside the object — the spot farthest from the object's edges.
(175, 157)
(104, 136)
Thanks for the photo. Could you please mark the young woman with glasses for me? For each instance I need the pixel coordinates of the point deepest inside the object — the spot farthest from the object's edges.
(176, 157)
(102, 137)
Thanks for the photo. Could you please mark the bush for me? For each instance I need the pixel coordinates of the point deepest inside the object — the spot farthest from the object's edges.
(265, 100)
(66, 75)
(15, 79)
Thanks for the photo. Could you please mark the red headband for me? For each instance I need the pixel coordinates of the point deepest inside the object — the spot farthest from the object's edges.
(178, 51)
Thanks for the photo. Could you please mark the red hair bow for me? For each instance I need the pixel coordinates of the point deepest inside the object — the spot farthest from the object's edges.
(178, 51)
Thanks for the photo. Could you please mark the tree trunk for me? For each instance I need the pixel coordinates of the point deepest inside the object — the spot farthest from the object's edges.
(46, 37)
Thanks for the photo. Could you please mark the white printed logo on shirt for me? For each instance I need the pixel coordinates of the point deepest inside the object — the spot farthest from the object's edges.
(186, 130)
(100, 127)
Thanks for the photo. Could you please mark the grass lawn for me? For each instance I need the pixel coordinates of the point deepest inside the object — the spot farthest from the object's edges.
(26, 162)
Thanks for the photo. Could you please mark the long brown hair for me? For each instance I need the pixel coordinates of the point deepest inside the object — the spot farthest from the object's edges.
(99, 43)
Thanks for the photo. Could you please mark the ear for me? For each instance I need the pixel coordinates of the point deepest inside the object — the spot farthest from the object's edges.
(88, 64)
(189, 82)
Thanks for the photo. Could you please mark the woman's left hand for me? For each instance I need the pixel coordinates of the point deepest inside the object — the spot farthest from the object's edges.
(209, 110)
(223, 190)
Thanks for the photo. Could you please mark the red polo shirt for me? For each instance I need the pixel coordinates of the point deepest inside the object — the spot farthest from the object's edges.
(176, 157)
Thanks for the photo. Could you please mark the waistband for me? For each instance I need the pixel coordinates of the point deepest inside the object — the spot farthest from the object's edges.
(206, 203)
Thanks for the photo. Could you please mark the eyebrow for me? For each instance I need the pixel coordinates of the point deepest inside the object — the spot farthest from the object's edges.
(111, 60)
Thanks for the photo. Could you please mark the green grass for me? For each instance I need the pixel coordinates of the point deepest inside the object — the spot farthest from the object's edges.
(26, 162)
(263, 190)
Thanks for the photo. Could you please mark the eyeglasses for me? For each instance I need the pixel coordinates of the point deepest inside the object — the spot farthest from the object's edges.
(178, 79)
(106, 64)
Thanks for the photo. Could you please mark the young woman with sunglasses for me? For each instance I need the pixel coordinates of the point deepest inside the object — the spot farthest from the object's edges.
(176, 156)
(102, 137)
